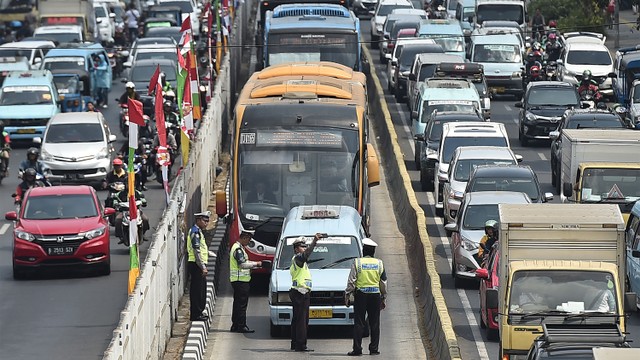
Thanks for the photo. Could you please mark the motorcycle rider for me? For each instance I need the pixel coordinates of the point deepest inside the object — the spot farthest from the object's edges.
(588, 86)
(32, 162)
(129, 93)
(123, 197)
(172, 118)
(553, 47)
(28, 181)
(490, 237)
(138, 157)
(534, 58)
(172, 148)
(5, 150)
(118, 174)
(537, 25)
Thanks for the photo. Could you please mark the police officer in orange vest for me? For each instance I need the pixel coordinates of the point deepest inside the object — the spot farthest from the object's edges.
(367, 283)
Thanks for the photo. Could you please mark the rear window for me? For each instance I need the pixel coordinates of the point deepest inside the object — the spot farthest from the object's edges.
(408, 54)
(526, 185)
(475, 216)
(385, 10)
(465, 167)
(451, 143)
(602, 122)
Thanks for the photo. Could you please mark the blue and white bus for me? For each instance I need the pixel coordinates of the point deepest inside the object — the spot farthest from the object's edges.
(312, 32)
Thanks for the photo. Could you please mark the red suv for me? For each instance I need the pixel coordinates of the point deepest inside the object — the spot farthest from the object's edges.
(61, 226)
(488, 276)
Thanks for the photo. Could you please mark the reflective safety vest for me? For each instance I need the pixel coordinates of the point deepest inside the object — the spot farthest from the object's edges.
(204, 251)
(300, 276)
(236, 273)
(369, 272)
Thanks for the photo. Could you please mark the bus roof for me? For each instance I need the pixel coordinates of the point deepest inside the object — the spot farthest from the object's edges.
(319, 68)
(311, 16)
(281, 87)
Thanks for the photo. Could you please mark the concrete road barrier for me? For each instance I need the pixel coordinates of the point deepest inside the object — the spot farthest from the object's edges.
(436, 327)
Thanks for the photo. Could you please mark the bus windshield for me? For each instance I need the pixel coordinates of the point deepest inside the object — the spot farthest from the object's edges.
(507, 12)
(281, 168)
(335, 47)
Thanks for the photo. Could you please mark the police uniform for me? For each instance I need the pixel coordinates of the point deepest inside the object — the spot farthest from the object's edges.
(196, 264)
(300, 294)
(240, 276)
(368, 283)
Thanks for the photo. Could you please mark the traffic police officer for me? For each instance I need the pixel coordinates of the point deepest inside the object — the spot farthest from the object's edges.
(299, 292)
(240, 276)
(197, 266)
(367, 283)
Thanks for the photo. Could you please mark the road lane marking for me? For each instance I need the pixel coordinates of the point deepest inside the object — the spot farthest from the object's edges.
(464, 300)
(406, 128)
(542, 157)
(508, 107)
(3, 228)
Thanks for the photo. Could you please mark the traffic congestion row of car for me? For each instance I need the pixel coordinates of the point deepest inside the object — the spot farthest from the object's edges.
(447, 76)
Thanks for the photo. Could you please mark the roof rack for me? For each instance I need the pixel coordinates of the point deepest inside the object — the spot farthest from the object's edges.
(597, 333)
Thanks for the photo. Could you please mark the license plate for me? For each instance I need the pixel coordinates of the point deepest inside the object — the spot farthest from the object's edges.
(60, 250)
(499, 90)
(320, 314)
(26, 131)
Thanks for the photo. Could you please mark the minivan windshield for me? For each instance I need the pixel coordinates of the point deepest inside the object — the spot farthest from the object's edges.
(74, 133)
(499, 53)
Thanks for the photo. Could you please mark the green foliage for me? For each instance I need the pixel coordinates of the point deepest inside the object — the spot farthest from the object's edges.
(571, 15)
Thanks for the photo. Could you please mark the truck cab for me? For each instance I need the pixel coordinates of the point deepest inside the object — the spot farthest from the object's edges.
(633, 104)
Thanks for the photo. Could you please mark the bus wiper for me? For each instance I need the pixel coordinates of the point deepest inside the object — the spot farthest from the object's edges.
(542, 313)
(266, 221)
(338, 262)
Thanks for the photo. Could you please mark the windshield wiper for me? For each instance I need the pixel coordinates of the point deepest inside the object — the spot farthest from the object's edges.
(267, 220)
(308, 262)
(542, 313)
(588, 314)
(338, 262)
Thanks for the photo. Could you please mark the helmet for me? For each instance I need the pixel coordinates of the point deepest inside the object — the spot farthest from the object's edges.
(491, 224)
(168, 103)
(130, 85)
(552, 36)
(117, 162)
(553, 24)
(30, 172)
(586, 76)
(535, 70)
(33, 151)
(169, 95)
(15, 24)
(536, 46)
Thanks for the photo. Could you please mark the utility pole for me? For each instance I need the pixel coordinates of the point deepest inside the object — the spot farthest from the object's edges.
(616, 15)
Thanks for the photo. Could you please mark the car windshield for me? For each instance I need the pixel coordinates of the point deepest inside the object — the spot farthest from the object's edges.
(451, 143)
(6, 52)
(547, 96)
(573, 291)
(68, 37)
(385, 10)
(465, 167)
(54, 64)
(144, 73)
(496, 54)
(25, 95)
(147, 55)
(185, 6)
(74, 133)
(66, 84)
(588, 57)
(611, 184)
(429, 107)
(508, 12)
(335, 252)
(475, 216)
(520, 184)
(603, 122)
(100, 12)
(53, 207)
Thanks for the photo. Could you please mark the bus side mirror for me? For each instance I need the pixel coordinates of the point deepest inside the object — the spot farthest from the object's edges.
(373, 167)
(221, 203)
(630, 302)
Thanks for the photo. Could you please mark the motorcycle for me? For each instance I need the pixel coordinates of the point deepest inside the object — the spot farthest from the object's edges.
(147, 166)
(39, 177)
(163, 159)
(4, 163)
(551, 71)
(117, 56)
(122, 231)
(589, 98)
(112, 198)
(124, 119)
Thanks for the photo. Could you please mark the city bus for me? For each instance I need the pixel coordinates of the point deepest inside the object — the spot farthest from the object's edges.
(311, 32)
(298, 140)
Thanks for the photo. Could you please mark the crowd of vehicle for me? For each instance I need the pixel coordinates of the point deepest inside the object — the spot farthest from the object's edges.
(447, 69)
(58, 61)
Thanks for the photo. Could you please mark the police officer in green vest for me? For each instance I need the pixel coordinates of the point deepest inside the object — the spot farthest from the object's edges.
(240, 276)
(299, 292)
(197, 266)
(367, 283)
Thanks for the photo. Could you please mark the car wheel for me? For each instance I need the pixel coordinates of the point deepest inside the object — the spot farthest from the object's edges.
(416, 157)
(492, 334)
(398, 94)
(483, 325)
(19, 274)
(275, 330)
(523, 140)
(440, 212)
(105, 269)
(374, 41)
(425, 182)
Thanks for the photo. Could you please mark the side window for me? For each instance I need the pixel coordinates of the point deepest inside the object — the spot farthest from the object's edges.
(461, 214)
(636, 238)
(458, 12)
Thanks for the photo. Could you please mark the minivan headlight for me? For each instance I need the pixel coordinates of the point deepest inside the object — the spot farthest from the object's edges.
(102, 154)
(469, 245)
(531, 117)
(44, 155)
(24, 235)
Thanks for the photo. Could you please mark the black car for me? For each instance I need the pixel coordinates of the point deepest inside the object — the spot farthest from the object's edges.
(542, 106)
(426, 151)
(520, 178)
(405, 60)
(579, 119)
(575, 341)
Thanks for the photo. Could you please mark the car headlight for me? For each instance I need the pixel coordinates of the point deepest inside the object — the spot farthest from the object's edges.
(24, 235)
(280, 298)
(530, 117)
(455, 194)
(45, 156)
(469, 245)
(94, 233)
(102, 154)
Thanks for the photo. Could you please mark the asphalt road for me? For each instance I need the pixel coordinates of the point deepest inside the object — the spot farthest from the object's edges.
(64, 315)
(464, 303)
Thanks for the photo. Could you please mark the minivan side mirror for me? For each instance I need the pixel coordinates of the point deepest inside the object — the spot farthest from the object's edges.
(518, 104)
